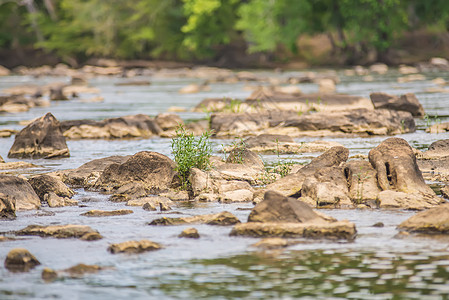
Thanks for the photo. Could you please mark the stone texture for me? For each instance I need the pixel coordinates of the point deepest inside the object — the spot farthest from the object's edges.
(362, 181)
(7, 207)
(44, 184)
(432, 221)
(42, 138)
(59, 231)
(168, 121)
(224, 218)
(134, 247)
(20, 190)
(391, 199)
(20, 260)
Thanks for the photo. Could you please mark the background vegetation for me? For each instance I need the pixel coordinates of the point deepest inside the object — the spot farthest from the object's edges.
(210, 30)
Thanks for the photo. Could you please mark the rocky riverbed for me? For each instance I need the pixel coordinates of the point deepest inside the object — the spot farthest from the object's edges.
(316, 181)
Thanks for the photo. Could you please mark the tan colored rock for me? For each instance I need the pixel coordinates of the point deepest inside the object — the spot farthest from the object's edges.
(438, 128)
(241, 155)
(326, 86)
(134, 247)
(168, 121)
(224, 218)
(81, 269)
(417, 201)
(273, 243)
(129, 191)
(103, 213)
(58, 231)
(407, 102)
(241, 195)
(190, 233)
(335, 230)
(432, 221)
(54, 200)
(16, 165)
(20, 190)
(4, 71)
(49, 275)
(154, 201)
(7, 207)
(379, 68)
(43, 184)
(20, 260)
(362, 182)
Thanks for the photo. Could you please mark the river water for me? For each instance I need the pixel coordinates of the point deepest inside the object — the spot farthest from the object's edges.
(377, 265)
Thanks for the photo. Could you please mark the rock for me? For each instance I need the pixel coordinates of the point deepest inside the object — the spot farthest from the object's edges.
(115, 128)
(277, 208)
(431, 221)
(263, 140)
(239, 172)
(379, 68)
(201, 182)
(241, 155)
(176, 195)
(417, 201)
(7, 207)
(224, 218)
(4, 71)
(329, 230)
(59, 231)
(44, 184)
(134, 83)
(241, 195)
(19, 190)
(41, 138)
(20, 260)
(362, 182)
(407, 102)
(56, 93)
(87, 174)
(326, 86)
(438, 128)
(154, 170)
(49, 274)
(164, 207)
(273, 243)
(149, 206)
(378, 224)
(327, 186)
(168, 121)
(291, 184)
(440, 62)
(16, 165)
(129, 191)
(191, 233)
(81, 269)
(396, 167)
(134, 247)
(358, 121)
(78, 80)
(153, 201)
(437, 150)
(54, 200)
(103, 213)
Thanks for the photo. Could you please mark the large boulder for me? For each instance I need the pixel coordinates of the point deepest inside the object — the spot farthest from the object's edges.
(19, 190)
(277, 208)
(87, 174)
(7, 207)
(407, 102)
(431, 221)
(115, 128)
(41, 138)
(397, 171)
(154, 170)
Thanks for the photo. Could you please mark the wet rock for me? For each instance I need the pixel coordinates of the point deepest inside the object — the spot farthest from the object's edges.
(154, 170)
(49, 275)
(87, 174)
(149, 206)
(277, 208)
(407, 102)
(16, 165)
(391, 199)
(357, 121)
(78, 80)
(327, 187)
(81, 269)
(129, 191)
(44, 184)
(6, 133)
(379, 224)
(134, 247)
(56, 93)
(332, 230)
(191, 233)
(134, 83)
(224, 218)
(41, 138)
(20, 260)
(241, 155)
(59, 231)
(115, 128)
(362, 182)
(291, 184)
(432, 221)
(20, 190)
(103, 213)
(18, 103)
(273, 243)
(152, 201)
(168, 121)
(396, 167)
(54, 200)
(7, 207)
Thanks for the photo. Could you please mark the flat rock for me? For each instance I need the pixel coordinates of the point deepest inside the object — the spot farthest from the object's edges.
(16, 165)
(104, 213)
(333, 230)
(407, 102)
(20, 260)
(224, 218)
(431, 221)
(154, 201)
(60, 231)
(417, 201)
(273, 243)
(134, 247)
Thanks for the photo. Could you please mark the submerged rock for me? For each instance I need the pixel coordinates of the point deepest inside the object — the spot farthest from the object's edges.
(20, 190)
(134, 247)
(431, 221)
(20, 260)
(154, 170)
(81, 269)
(103, 213)
(273, 243)
(42, 138)
(61, 231)
(224, 218)
(191, 233)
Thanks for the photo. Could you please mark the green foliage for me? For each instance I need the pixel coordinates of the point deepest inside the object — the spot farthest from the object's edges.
(190, 152)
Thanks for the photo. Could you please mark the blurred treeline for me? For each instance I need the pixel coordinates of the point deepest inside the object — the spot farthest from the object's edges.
(195, 30)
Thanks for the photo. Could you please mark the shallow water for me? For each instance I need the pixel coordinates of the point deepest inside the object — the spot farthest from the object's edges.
(375, 266)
